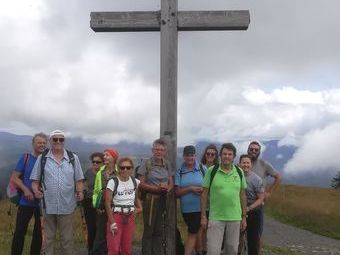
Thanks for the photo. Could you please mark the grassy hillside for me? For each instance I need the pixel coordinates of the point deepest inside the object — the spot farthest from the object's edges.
(8, 224)
(314, 209)
(310, 208)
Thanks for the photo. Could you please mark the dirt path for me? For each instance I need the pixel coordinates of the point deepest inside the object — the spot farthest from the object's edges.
(278, 234)
(288, 237)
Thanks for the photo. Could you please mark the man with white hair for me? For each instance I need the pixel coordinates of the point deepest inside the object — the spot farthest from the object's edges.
(57, 179)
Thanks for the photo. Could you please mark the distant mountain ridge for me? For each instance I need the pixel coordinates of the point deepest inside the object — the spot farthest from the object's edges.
(12, 146)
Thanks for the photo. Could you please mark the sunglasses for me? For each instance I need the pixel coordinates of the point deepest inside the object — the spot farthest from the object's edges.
(97, 162)
(56, 139)
(125, 167)
(158, 149)
(210, 154)
(254, 149)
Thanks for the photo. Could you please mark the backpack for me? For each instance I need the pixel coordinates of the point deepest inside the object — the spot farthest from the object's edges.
(214, 171)
(43, 160)
(116, 181)
(149, 165)
(200, 168)
(148, 168)
(13, 192)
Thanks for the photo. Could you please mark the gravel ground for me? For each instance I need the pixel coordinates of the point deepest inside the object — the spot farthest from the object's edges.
(282, 235)
(288, 237)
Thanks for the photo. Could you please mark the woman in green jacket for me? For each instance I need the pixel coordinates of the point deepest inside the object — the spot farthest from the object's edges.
(105, 173)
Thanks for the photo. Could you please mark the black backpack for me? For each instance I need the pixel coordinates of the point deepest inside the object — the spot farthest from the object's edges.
(200, 168)
(43, 160)
(214, 171)
(116, 181)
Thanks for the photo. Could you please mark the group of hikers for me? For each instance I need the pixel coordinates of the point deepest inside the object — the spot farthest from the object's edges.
(221, 202)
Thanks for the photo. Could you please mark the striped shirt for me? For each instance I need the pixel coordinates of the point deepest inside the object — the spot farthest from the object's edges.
(59, 180)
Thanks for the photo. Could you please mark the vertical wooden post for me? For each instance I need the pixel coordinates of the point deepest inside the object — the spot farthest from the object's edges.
(168, 128)
(169, 49)
(170, 22)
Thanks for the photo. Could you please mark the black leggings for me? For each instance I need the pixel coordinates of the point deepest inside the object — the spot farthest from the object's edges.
(254, 230)
(24, 216)
(90, 214)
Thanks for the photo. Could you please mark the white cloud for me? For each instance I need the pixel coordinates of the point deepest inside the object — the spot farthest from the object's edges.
(290, 140)
(273, 81)
(318, 152)
(26, 10)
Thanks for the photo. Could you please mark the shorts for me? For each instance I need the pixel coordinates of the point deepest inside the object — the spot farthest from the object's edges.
(193, 221)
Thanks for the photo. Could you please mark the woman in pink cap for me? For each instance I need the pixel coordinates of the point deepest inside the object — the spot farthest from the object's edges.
(106, 172)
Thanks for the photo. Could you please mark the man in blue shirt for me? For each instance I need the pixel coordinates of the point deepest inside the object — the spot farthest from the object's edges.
(62, 187)
(28, 206)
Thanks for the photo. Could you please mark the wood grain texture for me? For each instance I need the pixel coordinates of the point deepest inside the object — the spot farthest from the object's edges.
(186, 21)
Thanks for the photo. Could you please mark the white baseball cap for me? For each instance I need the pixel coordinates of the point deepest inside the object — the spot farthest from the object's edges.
(57, 132)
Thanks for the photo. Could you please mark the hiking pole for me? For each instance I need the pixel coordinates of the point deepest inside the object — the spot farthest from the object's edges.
(42, 227)
(164, 216)
(9, 213)
(83, 221)
(42, 206)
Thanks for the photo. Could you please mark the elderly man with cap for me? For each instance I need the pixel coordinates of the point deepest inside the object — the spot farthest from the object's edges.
(57, 179)
(106, 172)
(188, 183)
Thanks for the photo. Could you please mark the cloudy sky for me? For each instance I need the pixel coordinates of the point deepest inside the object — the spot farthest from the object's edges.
(279, 79)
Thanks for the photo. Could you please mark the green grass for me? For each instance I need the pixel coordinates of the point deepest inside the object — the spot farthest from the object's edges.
(8, 223)
(310, 208)
(7, 227)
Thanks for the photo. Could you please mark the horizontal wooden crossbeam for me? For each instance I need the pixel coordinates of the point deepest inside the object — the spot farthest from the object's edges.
(187, 21)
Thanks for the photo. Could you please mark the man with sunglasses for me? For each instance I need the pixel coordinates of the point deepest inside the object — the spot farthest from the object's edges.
(59, 189)
(263, 168)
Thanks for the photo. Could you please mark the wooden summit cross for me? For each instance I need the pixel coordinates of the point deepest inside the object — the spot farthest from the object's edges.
(169, 21)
